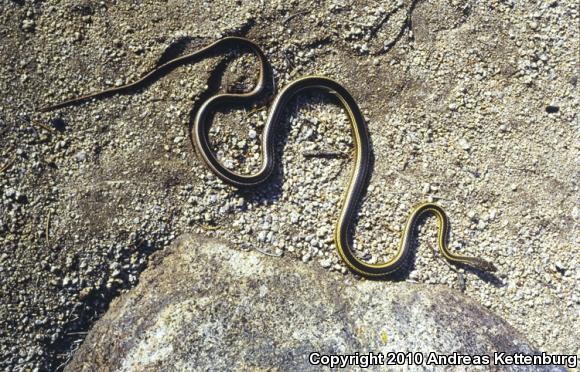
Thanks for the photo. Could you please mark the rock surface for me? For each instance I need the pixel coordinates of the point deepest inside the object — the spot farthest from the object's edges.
(203, 305)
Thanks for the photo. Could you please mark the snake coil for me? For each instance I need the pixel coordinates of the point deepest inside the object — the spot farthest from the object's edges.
(361, 154)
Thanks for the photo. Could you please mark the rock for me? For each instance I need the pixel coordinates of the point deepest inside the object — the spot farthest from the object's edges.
(203, 305)
(464, 144)
(28, 25)
(81, 156)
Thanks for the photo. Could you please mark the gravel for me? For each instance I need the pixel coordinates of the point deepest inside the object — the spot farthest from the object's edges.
(472, 105)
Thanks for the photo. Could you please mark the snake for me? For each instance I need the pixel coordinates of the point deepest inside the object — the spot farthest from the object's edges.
(359, 173)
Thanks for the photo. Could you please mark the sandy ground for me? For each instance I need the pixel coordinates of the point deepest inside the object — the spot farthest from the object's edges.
(467, 103)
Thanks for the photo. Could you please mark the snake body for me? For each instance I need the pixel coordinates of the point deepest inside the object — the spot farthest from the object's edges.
(361, 155)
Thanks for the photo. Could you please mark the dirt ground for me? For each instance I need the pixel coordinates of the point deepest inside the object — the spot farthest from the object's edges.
(472, 104)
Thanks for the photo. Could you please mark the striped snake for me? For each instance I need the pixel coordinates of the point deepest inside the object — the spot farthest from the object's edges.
(361, 154)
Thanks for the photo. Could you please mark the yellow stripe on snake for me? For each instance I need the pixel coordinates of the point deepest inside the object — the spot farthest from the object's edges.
(361, 155)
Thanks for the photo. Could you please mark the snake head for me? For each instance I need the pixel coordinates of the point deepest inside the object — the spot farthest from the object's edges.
(482, 264)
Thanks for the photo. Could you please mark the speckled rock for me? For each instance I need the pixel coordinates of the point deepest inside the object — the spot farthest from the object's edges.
(203, 305)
